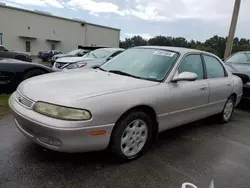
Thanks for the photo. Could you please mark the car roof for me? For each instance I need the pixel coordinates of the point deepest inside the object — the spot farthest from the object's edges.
(110, 49)
(176, 49)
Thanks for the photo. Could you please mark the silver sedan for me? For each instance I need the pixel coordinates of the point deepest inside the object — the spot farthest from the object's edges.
(126, 102)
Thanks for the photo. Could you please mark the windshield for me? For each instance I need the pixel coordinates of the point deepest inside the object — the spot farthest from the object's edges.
(98, 54)
(239, 58)
(145, 63)
(74, 52)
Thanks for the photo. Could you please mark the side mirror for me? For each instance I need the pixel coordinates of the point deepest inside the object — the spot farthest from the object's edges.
(185, 76)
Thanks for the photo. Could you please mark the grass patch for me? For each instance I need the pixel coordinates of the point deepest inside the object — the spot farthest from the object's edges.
(4, 104)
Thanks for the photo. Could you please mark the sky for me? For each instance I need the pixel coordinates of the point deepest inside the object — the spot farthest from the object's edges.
(192, 19)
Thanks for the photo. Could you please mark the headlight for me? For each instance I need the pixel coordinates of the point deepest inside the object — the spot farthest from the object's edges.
(82, 65)
(61, 112)
(75, 65)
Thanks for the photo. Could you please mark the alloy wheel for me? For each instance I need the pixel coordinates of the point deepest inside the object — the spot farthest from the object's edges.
(134, 138)
(228, 110)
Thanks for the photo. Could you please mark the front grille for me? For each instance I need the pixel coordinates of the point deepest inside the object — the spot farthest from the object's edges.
(60, 64)
(23, 100)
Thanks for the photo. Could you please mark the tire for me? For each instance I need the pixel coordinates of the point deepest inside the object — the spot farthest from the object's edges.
(21, 58)
(226, 114)
(33, 73)
(49, 59)
(136, 141)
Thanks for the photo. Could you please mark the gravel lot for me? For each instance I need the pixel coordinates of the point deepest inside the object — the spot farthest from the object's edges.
(196, 153)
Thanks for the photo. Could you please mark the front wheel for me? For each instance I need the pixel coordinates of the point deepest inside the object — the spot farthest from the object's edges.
(131, 136)
(228, 110)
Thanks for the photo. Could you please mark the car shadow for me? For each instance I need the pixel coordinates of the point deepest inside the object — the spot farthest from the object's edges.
(244, 105)
(39, 153)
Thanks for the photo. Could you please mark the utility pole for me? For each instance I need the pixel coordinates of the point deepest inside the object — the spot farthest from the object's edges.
(232, 29)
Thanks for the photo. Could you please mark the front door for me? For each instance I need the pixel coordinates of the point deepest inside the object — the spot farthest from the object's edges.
(188, 99)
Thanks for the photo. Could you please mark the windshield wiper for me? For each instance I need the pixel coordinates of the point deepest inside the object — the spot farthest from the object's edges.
(101, 69)
(124, 73)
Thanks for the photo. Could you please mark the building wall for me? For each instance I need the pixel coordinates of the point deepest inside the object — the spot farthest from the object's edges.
(102, 36)
(15, 23)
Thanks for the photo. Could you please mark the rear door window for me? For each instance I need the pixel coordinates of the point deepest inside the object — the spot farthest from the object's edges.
(214, 67)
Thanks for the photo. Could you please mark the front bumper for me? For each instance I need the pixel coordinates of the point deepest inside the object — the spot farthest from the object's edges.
(59, 139)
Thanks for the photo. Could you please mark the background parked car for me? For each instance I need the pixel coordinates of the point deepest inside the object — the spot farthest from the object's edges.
(13, 72)
(239, 64)
(74, 53)
(47, 55)
(93, 58)
(6, 53)
(92, 47)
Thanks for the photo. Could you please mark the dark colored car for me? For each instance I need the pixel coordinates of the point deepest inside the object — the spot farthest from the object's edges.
(239, 64)
(13, 72)
(47, 55)
(92, 47)
(6, 53)
(74, 53)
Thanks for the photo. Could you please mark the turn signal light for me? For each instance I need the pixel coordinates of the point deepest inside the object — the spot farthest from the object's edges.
(100, 132)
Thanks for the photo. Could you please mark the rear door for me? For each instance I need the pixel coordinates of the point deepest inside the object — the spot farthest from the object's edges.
(219, 83)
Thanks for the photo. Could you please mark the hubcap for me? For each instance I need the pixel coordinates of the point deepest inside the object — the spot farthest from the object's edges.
(228, 110)
(134, 138)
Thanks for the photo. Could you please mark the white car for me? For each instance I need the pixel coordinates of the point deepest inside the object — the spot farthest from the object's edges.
(97, 57)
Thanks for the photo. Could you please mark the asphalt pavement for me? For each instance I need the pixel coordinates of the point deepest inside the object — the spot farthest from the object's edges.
(195, 153)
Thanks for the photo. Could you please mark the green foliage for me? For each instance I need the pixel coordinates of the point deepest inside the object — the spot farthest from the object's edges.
(215, 45)
(4, 100)
(3, 104)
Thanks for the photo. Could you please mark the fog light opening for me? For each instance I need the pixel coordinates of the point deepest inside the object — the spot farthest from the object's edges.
(50, 141)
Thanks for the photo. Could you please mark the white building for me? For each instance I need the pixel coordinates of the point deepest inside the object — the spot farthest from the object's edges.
(34, 31)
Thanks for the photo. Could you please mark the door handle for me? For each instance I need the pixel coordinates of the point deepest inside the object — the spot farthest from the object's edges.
(204, 88)
(228, 84)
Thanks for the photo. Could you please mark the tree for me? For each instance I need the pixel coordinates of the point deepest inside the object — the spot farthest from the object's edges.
(134, 41)
(215, 44)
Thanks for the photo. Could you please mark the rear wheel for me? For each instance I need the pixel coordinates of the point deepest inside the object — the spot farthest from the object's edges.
(228, 110)
(131, 136)
(32, 73)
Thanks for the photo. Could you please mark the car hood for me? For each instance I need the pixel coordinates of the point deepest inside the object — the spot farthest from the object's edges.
(23, 53)
(62, 55)
(239, 68)
(71, 86)
(9, 60)
(72, 59)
